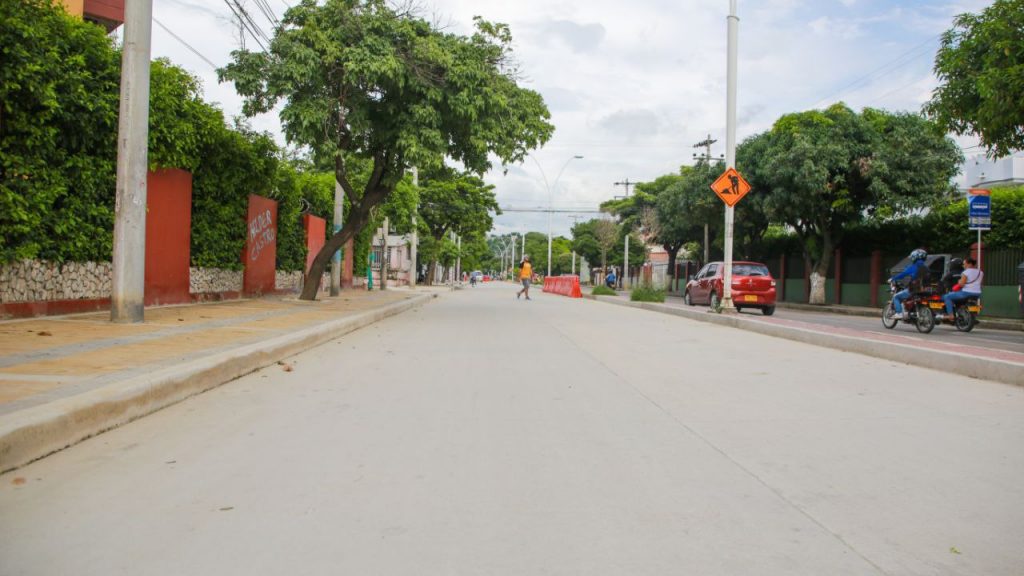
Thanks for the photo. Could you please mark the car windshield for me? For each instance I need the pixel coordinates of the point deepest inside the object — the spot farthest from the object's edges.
(749, 270)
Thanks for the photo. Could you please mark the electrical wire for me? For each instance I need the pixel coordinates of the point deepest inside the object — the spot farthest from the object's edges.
(186, 44)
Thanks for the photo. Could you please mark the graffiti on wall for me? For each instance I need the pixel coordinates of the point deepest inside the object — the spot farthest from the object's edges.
(262, 233)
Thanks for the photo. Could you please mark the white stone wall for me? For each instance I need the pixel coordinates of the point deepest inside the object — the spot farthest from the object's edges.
(288, 281)
(214, 280)
(38, 281)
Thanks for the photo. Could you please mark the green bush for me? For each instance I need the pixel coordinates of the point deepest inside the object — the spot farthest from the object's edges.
(647, 293)
(603, 291)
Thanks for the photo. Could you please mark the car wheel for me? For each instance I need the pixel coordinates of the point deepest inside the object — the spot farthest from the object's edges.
(713, 302)
(768, 310)
(686, 298)
(739, 309)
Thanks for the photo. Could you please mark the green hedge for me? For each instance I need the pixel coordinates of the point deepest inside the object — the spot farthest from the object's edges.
(59, 92)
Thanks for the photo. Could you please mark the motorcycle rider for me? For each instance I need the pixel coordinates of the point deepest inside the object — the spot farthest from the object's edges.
(969, 286)
(916, 272)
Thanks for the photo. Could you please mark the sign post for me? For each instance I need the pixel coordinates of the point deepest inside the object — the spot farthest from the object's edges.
(731, 187)
(979, 213)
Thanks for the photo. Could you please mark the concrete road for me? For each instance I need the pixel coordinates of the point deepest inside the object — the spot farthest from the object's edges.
(484, 435)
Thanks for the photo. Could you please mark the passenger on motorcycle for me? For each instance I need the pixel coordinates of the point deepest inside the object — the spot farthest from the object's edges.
(915, 271)
(969, 286)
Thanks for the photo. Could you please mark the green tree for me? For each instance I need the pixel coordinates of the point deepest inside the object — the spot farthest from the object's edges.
(452, 202)
(594, 239)
(947, 224)
(823, 170)
(980, 65)
(360, 79)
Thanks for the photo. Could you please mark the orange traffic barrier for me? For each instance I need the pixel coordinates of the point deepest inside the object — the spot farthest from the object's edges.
(566, 285)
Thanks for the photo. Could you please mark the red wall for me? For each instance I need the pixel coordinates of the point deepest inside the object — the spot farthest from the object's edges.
(260, 257)
(316, 228)
(168, 235)
(111, 10)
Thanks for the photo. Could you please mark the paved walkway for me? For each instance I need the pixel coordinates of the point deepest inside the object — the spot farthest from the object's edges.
(65, 378)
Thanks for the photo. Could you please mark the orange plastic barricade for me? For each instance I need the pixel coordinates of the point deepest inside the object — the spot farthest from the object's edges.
(566, 285)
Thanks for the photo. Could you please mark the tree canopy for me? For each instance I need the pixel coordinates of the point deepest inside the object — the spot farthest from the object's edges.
(361, 79)
(822, 170)
(980, 65)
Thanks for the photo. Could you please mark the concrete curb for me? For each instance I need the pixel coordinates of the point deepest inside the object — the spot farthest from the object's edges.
(952, 362)
(33, 433)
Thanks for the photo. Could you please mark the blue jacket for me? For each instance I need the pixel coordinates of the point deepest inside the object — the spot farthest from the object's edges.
(911, 271)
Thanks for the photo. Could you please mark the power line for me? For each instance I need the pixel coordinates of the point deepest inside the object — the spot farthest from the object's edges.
(186, 44)
(898, 62)
(246, 21)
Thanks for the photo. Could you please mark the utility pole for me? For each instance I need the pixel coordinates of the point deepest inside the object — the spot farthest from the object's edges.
(730, 150)
(413, 269)
(706, 143)
(339, 209)
(128, 284)
(458, 258)
(625, 259)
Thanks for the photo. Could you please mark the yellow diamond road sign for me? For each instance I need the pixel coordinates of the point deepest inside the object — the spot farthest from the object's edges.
(731, 187)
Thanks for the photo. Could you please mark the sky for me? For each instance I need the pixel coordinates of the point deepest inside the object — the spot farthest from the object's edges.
(632, 86)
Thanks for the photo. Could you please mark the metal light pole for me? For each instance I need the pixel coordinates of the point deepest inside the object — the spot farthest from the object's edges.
(730, 150)
(128, 284)
(550, 207)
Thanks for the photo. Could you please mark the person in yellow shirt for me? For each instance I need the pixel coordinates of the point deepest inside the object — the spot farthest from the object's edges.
(525, 274)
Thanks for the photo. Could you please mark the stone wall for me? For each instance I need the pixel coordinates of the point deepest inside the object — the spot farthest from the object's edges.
(214, 280)
(37, 281)
(289, 281)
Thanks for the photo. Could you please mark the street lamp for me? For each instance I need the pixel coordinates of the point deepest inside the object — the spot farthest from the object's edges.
(549, 188)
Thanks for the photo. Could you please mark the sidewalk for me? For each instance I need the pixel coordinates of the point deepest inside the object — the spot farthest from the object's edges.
(988, 364)
(63, 379)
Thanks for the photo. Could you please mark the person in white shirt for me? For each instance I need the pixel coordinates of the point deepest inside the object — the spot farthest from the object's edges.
(969, 286)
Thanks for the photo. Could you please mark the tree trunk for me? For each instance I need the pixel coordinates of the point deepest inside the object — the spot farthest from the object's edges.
(670, 274)
(358, 219)
(819, 273)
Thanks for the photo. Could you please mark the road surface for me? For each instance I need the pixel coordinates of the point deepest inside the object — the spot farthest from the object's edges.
(484, 435)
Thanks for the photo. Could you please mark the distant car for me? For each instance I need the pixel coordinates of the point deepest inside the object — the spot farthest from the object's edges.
(752, 286)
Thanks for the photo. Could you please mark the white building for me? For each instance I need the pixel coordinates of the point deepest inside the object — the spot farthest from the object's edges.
(980, 172)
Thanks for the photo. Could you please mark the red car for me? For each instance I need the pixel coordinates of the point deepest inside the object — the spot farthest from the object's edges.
(752, 286)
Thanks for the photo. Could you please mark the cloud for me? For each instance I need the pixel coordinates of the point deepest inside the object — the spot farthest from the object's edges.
(631, 123)
(580, 38)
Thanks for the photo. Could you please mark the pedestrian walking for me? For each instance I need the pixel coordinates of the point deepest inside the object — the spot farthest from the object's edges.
(525, 274)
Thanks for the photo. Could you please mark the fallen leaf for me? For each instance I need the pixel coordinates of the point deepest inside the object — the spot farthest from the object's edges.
(953, 550)
(18, 481)
(287, 368)
(171, 462)
(43, 333)
(227, 508)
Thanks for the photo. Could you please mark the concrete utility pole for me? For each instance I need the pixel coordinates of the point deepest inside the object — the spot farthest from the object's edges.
(339, 209)
(128, 284)
(706, 143)
(458, 258)
(730, 150)
(413, 270)
(625, 264)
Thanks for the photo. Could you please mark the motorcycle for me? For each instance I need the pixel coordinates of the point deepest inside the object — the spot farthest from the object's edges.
(965, 312)
(916, 310)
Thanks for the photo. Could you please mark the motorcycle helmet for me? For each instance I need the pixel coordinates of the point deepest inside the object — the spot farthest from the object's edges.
(956, 264)
(918, 255)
